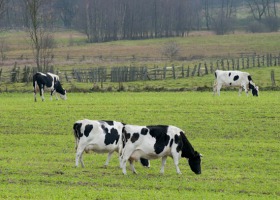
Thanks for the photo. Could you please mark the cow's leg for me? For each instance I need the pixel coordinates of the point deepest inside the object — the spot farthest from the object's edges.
(35, 99)
(163, 161)
(240, 91)
(42, 92)
(132, 166)
(215, 88)
(34, 90)
(52, 92)
(79, 156)
(176, 163)
(108, 158)
(246, 90)
(125, 155)
(218, 88)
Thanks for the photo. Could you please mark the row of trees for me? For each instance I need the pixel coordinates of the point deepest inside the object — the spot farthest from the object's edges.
(105, 20)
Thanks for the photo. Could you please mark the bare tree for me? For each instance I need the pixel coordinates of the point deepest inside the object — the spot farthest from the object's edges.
(223, 20)
(67, 10)
(37, 26)
(265, 12)
(171, 50)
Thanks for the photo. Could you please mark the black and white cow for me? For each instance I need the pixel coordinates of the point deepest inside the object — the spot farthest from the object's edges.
(234, 79)
(152, 142)
(98, 136)
(48, 81)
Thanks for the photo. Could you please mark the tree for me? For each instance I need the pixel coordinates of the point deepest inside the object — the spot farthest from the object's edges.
(223, 20)
(37, 23)
(171, 50)
(67, 10)
(265, 12)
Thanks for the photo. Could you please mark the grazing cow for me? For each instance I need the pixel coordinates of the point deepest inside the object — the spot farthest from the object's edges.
(235, 79)
(49, 81)
(152, 142)
(98, 136)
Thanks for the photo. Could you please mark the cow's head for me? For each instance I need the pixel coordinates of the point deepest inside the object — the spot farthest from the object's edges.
(255, 89)
(59, 89)
(195, 163)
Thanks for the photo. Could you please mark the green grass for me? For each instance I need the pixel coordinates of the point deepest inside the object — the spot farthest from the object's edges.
(238, 137)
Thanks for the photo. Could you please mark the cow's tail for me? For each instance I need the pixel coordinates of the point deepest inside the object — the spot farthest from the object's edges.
(215, 84)
(35, 85)
(76, 131)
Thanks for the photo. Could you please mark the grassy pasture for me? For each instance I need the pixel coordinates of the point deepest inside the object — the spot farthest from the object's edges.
(72, 50)
(238, 136)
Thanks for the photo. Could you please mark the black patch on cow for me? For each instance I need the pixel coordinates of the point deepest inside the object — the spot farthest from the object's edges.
(254, 90)
(77, 130)
(249, 78)
(179, 142)
(105, 129)
(171, 142)
(229, 74)
(112, 137)
(144, 162)
(111, 123)
(135, 137)
(160, 134)
(187, 149)
(58, 88)
(176, 139)
(236, 77)
(144, 131)
(230, 83)
(88, 128)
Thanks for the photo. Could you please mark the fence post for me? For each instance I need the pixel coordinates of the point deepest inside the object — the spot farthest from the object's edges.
(237, 64)
(272, 75)
(198, 70)
(194, 69)
(173, 72)
(206, 69)
(182, 71)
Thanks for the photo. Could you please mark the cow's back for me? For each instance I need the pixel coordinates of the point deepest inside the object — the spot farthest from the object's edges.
(231, 78)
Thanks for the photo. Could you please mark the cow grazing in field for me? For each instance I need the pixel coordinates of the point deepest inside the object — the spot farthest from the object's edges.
(234, 79)
(47, 81)
(152, 142)
(98, 136)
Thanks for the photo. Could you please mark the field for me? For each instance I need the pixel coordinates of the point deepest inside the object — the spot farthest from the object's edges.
(238, 137)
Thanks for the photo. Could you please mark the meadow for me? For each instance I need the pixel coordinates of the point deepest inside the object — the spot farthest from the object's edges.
(237, 135)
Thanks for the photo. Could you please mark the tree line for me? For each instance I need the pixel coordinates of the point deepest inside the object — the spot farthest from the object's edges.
(106, 20)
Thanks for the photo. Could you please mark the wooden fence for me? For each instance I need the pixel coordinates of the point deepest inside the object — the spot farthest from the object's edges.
(143, 73)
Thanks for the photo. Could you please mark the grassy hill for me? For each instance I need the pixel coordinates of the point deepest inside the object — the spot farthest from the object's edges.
(72, 51)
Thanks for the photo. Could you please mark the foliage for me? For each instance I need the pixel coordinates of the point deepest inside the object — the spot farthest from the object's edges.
(238, 137)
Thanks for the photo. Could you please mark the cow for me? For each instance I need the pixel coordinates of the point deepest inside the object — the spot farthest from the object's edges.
(48, 81)
(234, 79)
(160, 141)
(100, 136)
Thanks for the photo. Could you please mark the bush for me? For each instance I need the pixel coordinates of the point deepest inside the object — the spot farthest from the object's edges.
(256, 27)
